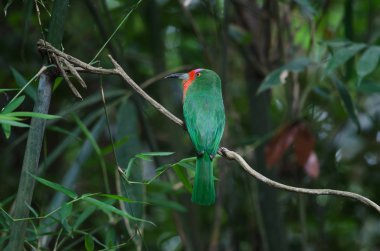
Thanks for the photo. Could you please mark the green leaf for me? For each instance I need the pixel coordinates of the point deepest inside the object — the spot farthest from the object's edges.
(342, 55)
(6, 130)
(88, 211)
(57, 22)
(118, 197)
(167, 204)
(89, 242)
(149, 155)
(111, 209)
(369, 87)
(13, 105)
(56, 187)
(12, 123)
(34, 115)
(8, 90)
(347, 100)
(274, 78)
(88, 135)
(65, 211)
(367, 62)
(21, 81)
(182, 177)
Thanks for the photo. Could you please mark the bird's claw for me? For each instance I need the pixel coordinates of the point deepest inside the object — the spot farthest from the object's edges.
(200, 154)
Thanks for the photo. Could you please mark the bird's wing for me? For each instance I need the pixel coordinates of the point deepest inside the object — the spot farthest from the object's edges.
(204, 117)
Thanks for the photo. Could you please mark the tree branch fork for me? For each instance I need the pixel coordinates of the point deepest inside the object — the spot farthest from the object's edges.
(69, 64)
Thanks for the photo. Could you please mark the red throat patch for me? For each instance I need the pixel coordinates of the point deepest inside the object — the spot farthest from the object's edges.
(187, 82)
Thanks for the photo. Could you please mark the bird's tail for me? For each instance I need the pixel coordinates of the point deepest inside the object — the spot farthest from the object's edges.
(203, 191)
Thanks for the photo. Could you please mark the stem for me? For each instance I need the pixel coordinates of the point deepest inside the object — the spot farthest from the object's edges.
(30, 164)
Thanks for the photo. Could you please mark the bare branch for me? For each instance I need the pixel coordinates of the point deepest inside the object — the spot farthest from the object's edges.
(74, 72)
(140, 91)
(74, 65)
(69, 83)
(231, 155)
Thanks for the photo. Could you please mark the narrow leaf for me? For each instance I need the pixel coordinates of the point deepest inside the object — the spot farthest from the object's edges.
(8, 90)
(182, 177)
(274, 78)
(13, 105)
(34, 115)
(56, 187)
(21, 82)
(168, 204)
(13, 123)
(147, 156)
(347, 100)
(367, 62)
(6, 130)
(65, 211)
(89, 242)
(118, 197)
(342, 55)
(111, 209)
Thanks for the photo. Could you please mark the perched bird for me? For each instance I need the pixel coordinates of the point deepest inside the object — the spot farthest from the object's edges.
(203, 110)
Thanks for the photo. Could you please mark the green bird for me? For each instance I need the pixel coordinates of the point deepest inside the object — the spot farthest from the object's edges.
(203, 110)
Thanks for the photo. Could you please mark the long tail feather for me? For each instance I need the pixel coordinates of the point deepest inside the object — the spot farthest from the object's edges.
(203, 191)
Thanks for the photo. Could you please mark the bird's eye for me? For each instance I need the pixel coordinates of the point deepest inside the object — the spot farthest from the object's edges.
(198, 74)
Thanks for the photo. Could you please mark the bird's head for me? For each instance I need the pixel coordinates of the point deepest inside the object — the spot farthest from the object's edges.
(187, 78)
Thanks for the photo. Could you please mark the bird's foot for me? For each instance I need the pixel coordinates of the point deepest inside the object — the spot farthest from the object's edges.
(223, 151)
(200, 154)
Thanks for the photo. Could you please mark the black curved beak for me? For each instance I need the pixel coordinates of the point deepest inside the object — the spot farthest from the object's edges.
(178, 75)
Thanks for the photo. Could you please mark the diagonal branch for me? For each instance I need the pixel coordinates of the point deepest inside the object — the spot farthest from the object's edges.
(231, 155)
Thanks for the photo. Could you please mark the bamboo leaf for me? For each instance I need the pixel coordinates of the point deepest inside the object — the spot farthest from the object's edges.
(118, 197)
(89, 242)
(13, 123)
(111, 209)
(21, 82)
(167, 204)
(13, 105)
(347, 100)
(149, 155)
(65, 211)
(34, 115)
(56, 187)
(182, 177)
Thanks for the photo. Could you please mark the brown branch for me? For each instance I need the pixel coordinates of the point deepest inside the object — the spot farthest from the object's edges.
(231, 155)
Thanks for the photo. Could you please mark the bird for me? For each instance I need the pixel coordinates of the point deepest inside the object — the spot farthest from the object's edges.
(204, 115)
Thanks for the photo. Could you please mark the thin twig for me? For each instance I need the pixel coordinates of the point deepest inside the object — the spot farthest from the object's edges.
(64, 75)
(75, 73)
(231, 155)
(140, 91)
(46, 47)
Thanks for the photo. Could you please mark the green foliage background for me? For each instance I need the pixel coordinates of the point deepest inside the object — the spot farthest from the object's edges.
(313, 62)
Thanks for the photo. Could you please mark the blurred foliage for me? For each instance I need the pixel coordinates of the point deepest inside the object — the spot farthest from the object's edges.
(308, 68)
